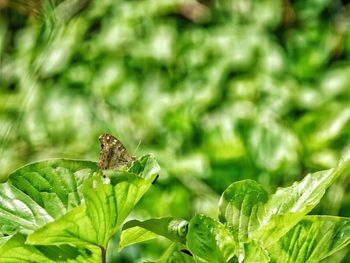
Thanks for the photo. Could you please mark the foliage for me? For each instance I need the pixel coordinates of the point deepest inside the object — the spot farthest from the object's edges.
(65, 211)
(219, 91)
(254, 226)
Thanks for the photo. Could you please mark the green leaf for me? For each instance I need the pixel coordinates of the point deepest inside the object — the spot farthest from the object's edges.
(136, 231)
(15, 250)
(210, 241)
(40, 192)
(288, 206)
(101, 209)
(254, 252)
(108, 202)
(67, 253)
(128, 193)
(238, 208)
(74, 227)
(145, 167)
(135, 235)
(54, 184)
(312, 239)
(175, 254)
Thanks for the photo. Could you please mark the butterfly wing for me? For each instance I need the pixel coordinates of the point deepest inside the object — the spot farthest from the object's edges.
(113, 154)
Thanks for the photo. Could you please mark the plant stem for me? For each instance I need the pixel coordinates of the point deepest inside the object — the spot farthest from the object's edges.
(103, 252)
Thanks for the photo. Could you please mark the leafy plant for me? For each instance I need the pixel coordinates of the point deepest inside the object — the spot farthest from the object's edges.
(219, 91)
(254, 226)
(66, 211)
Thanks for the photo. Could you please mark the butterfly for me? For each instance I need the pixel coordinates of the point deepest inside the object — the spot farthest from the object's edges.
(113, 154)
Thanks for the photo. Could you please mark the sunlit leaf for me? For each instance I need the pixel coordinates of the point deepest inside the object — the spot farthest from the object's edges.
(106, 206)
(138, 231)
(210, 241)
(16, 250)
(289, 205)
(238, 206)
(40, 192)
(312, 239)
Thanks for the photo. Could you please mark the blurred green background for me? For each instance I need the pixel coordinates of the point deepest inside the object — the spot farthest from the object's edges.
(219, 91)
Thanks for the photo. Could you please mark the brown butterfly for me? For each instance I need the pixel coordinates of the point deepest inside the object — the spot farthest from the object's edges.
(113, 154)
